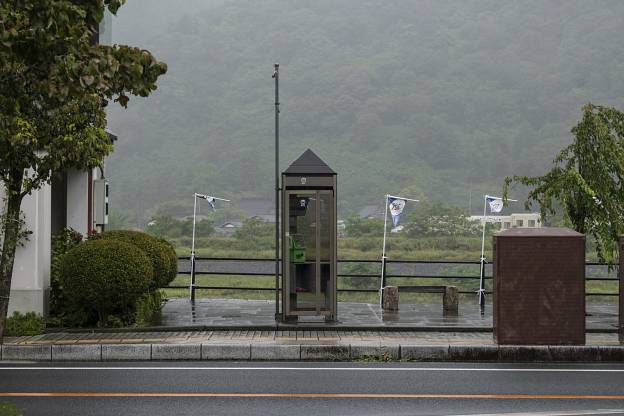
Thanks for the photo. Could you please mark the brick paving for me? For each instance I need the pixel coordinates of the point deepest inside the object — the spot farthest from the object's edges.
(286, 337)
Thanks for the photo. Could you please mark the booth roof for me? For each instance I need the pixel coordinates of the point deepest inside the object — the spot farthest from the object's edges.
(309, 164)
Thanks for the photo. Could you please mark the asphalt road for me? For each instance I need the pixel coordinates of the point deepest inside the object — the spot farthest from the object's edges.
(312, 389)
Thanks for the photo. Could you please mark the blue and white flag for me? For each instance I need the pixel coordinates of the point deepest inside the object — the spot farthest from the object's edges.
(495, 204)
(211, 201)
(396, 206)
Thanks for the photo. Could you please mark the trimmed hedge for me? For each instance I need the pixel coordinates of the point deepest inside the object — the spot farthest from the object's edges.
(172, 260)
(104, 276)
(159, 253)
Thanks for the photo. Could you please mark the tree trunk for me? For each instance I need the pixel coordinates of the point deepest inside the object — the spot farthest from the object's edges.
(10, 231)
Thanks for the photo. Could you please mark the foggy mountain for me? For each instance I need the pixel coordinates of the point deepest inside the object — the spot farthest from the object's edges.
(429, 99)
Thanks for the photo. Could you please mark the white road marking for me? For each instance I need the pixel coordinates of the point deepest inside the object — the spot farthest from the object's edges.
(371, 369)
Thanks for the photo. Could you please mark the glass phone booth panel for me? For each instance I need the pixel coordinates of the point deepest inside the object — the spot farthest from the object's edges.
(309, 239)
(310, 222)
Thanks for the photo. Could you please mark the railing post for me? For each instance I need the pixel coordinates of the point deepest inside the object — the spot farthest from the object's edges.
(385, 270)
(192, 288)
(482, 286)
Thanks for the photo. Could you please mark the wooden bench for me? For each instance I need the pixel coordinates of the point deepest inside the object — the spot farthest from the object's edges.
(450, 296)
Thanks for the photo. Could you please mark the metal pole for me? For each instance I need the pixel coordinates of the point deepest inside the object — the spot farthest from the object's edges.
(192, 287)
(277, 193)
(482, 272)
(383, 254)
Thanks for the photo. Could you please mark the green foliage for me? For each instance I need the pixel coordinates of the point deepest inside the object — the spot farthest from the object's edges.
(117, 221)
(64, 241)
(28, 324)
(358, 226)
(160, 254)
(171, 260)
(147, 307)
(105, 277)
(587, 179)
(55, 82)
(255, 229)
(361, 269)
(437, 219)
(166, 226)
(418, 98)
(9, 409)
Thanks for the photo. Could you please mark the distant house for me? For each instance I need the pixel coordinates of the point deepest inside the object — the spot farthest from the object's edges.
(231, 224)
(227, 229)
(517, 220)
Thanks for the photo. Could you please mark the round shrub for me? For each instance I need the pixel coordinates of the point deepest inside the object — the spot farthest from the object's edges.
(158, 253)
(172, 260)
(105, 276)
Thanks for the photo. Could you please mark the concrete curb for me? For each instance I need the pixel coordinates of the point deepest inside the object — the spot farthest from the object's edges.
(275, 352)
(126, 352)
(336, 352)
(161, 352)
(226, 351)
(73, 352)
(312, 352)
(27, 353)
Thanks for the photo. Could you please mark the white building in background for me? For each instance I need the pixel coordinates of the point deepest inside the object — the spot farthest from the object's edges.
(519, 220)
(75, 199)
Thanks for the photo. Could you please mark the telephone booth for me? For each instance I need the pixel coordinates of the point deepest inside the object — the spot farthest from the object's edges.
(309, 239)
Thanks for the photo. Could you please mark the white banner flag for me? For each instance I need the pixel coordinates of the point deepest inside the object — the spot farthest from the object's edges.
(495, 204)
(396, 208)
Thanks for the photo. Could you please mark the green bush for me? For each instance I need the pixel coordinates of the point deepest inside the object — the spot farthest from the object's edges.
(62, 242)
(9, 409)
(172, 261)
(160, 254)
(147, 307)
(20, 325)
(105, 277)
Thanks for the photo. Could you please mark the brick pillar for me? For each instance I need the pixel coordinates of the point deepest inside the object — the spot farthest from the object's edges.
(391, 298)
(450, 301)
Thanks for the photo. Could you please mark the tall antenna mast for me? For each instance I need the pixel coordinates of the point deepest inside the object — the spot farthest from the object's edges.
(277, 191)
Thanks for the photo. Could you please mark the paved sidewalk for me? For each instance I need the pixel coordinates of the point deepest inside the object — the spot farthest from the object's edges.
(246, 330)
(298, 345)
(277, 337)
(251, 314)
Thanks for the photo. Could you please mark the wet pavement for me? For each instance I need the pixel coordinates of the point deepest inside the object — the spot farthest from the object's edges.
(248, 313)
(252, 321)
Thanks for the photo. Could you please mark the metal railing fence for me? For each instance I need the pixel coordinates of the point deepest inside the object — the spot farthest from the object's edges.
(360, 269)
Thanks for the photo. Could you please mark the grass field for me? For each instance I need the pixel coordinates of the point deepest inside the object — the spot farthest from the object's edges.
(398, 248)
(343, 283)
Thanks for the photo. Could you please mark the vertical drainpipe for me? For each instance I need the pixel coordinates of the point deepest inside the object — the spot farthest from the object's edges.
(90, 202)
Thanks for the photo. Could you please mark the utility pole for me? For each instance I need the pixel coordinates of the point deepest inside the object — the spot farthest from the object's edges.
(277, 193)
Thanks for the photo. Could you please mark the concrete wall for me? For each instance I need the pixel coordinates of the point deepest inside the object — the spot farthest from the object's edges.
(31, 270)
(78, 201)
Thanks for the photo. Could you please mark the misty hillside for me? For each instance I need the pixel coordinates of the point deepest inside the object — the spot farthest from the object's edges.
(424, 98)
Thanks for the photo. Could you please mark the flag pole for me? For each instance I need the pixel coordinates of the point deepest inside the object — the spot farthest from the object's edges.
(192, 285)
(482, 260)
(383, 253)
(277, 196)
